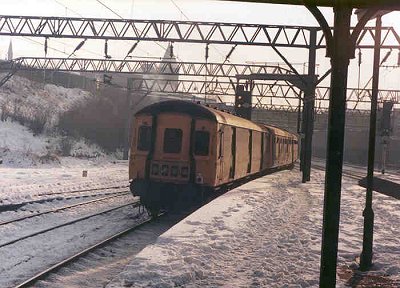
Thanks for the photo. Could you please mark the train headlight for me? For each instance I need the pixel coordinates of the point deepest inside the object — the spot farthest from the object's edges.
(174, 171)
(184, 172)
(164, 170)
(155, 169)
(199, 178)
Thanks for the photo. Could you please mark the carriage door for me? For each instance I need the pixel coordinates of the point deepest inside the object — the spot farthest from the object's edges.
(233, 154)
(221, 153)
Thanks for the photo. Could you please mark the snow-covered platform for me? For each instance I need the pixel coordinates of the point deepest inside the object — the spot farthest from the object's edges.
(266, 233)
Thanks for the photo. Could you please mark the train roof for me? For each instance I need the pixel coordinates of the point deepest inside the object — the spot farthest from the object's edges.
(197, 110)
(280, 131)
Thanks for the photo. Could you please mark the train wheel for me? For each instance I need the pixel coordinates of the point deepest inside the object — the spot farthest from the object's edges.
(153, 211)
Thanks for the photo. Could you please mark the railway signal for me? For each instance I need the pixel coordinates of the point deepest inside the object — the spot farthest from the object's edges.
(386, 122)
(386, 130)
(243, 102)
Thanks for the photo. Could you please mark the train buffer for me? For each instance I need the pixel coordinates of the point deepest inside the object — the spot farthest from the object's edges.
(383, 186)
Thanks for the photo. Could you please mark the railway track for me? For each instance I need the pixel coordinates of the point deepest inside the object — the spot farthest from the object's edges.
(10, 242)
(53, 269)
(347, 173)
(54, 210)
(14, 206)
(84, 190)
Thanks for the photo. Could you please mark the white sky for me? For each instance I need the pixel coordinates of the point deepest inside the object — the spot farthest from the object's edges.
(199, 10)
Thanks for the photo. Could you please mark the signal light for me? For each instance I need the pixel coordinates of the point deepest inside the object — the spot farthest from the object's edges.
(243, 102)
(386, 123)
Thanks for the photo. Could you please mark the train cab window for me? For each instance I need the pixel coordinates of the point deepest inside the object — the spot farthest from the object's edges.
(201, 143)
(172, 140)
(144, 138)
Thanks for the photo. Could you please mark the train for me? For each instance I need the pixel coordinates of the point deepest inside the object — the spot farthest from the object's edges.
(181, 151)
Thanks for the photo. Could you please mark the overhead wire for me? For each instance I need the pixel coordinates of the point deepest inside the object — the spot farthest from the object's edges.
(25, 38)
(80, 15)
(207, 53)
(187, 18)
(119, 16)
(77, 13)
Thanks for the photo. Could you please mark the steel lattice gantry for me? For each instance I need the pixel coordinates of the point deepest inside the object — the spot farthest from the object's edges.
(283, 96)
(146, 67)
(180, 31)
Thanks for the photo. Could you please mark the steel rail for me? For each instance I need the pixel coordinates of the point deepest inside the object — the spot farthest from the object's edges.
(59, 265)
(85, 190)
(134, 204)
(349, 174)
(7, 207)
(63, 208)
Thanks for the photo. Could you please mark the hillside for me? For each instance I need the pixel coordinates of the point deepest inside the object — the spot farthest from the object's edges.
(29, 114)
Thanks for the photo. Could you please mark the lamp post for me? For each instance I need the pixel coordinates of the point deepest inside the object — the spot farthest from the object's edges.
(368, 213)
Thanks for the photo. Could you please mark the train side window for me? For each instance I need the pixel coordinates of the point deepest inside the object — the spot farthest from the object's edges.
(172, 140)
(144, 138)
(201, 143)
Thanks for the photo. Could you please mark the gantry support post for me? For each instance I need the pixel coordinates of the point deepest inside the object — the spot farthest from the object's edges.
(309, 104)
(302, 142)
(368, 213)
(128, 111)
(340, 58)
(300, 131)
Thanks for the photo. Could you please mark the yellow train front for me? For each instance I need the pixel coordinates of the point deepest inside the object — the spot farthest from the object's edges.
(181, 150)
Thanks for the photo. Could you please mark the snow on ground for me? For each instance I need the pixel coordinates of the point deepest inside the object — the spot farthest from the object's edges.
(266, 233)
(25, 184)
(23, 99)
(29, 165)
(18, 138)
(22, 260)
(20, 148)
(17, 185)
(25, 95)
